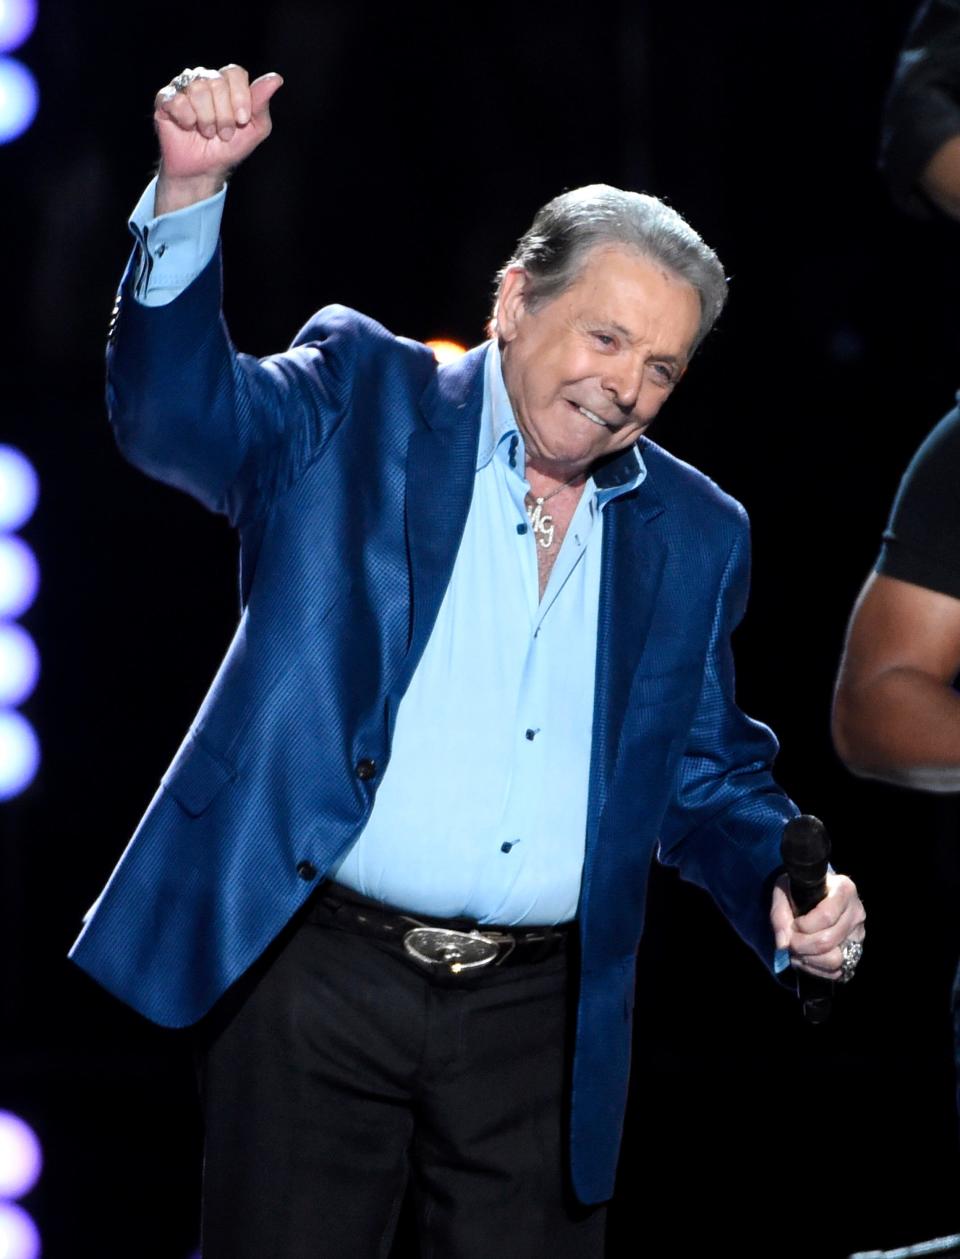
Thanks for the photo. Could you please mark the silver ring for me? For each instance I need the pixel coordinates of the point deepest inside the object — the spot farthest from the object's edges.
(183, 80)
(851, 952)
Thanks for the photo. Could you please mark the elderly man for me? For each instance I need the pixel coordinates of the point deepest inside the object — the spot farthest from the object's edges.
(397, 869)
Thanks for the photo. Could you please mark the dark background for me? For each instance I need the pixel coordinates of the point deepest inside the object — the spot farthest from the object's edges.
(411, 146)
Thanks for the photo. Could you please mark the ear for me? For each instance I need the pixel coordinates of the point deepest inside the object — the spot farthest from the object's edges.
(510, 303)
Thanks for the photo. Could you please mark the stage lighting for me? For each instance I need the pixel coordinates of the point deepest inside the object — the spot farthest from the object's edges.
(21, 1159)
(19, 99)
(19, 666)
(446, 351)
(19, 576)
(17, 20)
(19, 1238)
(19, 756)
(18, 486)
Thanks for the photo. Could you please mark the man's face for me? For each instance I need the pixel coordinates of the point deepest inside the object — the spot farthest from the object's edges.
(587, 371)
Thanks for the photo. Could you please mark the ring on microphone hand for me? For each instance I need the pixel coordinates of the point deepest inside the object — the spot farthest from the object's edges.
(851, 951)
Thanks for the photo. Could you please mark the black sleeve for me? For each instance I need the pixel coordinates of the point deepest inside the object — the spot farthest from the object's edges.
(921, 543)
(922, 109)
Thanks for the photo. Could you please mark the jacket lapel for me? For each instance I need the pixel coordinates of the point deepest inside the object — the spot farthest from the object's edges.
(633, 557)
(441, 466)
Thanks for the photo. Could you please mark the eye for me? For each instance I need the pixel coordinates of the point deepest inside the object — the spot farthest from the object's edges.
(665, 374)
(605, 339)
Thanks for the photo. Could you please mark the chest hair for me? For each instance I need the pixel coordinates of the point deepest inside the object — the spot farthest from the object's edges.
(561, 509)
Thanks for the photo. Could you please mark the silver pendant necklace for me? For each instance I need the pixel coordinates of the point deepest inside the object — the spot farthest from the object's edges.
(541, 522)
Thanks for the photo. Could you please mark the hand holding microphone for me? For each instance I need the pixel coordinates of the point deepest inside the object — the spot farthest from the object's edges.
(816, 915)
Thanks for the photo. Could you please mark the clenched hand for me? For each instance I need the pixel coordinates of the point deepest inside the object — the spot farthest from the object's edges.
(207, 122)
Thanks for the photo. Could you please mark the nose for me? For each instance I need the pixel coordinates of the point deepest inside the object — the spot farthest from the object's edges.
(622, 382)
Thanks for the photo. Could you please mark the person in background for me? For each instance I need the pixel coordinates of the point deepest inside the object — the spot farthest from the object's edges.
(896, 713)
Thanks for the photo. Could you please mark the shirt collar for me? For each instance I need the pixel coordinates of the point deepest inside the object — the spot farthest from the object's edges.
(619, 474)
(614, 476)
(497, 422)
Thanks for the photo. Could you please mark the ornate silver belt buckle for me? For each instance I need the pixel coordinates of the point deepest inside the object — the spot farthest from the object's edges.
(455, 951)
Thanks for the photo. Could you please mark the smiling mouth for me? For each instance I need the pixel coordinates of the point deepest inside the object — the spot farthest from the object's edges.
(589, 415)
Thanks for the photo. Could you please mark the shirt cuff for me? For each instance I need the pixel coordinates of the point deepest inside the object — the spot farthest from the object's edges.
(172, 249)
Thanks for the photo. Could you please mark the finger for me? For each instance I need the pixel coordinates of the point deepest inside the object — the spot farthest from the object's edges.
(841, 894)
(238, 81)
(818, 963)
(173, 106)
(850, 925)
(821, 942)
(852, 921)
(831, 963)
(261, 92)
(201, 98)
(781, 917)
(828, 968)
(226, 123)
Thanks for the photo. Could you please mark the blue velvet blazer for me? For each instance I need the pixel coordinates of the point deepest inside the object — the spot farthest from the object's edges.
(327, 459)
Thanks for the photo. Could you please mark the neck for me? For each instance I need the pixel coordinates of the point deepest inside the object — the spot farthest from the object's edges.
(545, 478)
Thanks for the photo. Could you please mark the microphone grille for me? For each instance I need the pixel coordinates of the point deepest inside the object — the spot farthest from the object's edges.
(805, 842)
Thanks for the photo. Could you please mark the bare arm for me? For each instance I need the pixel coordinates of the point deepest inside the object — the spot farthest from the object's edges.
(941, 177)
(896, 716)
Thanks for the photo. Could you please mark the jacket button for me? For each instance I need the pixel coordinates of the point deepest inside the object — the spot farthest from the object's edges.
(366, 769)
(307, 871)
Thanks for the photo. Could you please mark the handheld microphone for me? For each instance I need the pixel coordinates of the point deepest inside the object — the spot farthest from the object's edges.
(805, 849)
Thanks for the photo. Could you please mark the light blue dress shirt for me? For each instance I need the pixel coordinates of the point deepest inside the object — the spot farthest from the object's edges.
(482, 809)
(174, 247)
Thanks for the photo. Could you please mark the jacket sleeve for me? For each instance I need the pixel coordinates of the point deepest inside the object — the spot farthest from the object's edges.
(232, 430)
(922, 108)
(725, 821)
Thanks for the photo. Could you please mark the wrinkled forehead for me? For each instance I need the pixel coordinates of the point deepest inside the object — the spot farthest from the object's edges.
(638, 293)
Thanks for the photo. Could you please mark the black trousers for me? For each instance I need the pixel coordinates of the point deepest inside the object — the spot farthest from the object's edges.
(338, 1076)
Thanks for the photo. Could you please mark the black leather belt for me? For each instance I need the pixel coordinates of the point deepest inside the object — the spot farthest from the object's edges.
(451, 946)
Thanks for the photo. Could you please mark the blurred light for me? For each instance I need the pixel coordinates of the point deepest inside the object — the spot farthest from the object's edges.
(17, 20)
(19, 577)
(18, 486)
(446, 351)
(19, 671)
(21, 1159)
(19, 1238)
(19, 100)
(19, 761)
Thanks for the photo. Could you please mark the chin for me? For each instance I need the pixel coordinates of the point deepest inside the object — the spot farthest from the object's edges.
(579, 456)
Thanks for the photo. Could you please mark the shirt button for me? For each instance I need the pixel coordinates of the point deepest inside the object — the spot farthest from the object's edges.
(307, 871)
(366, 769)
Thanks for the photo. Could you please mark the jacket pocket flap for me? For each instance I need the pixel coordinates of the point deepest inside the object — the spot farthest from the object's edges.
(196, 776)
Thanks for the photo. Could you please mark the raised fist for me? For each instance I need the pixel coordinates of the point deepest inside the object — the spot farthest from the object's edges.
(207, 122)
